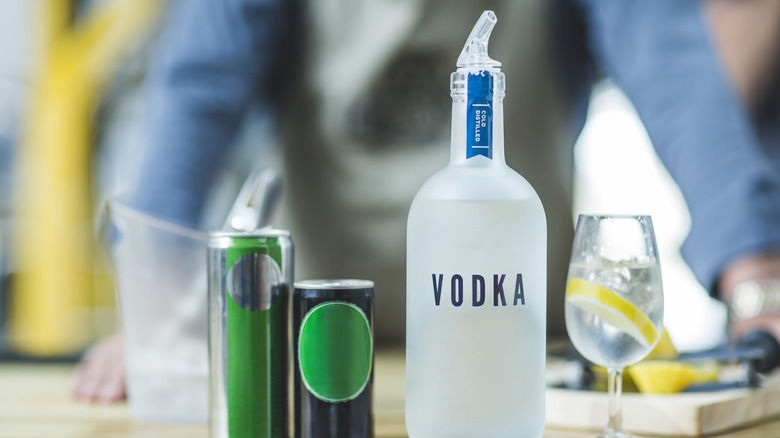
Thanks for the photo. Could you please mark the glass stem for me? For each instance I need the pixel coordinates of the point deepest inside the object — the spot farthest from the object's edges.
(615, 388)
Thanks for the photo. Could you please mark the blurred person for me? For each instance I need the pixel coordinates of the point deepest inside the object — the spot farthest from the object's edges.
(747, 34)
(359, 96)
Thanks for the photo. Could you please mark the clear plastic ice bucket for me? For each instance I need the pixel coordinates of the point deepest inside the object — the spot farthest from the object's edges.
(162, 286)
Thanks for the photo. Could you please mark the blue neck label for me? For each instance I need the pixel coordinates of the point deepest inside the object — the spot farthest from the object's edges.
(479, 115)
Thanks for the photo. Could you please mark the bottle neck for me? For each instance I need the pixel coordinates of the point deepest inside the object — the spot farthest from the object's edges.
(477, 117)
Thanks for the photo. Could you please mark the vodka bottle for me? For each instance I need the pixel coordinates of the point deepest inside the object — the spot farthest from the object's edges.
(476, 268)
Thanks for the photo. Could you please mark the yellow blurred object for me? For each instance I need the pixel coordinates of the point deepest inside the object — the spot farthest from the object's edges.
(669, 377)
(664, 349)
(55, 246)
(661, 377)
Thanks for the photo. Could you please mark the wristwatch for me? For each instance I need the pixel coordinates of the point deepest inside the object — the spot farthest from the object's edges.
(755, 297)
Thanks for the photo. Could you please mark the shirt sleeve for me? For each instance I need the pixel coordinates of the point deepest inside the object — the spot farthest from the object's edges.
(214, 59)
(660, 53)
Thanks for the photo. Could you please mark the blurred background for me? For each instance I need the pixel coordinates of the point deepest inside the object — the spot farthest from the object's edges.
(71, 74)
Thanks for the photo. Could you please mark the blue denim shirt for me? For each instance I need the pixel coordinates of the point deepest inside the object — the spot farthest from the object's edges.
(661, 54)
(218, 58)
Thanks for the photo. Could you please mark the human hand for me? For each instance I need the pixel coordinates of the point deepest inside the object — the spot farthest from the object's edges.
(100, 377)
(757, 267)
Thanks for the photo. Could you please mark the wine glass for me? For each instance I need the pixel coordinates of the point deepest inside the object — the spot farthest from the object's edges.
(614, 298)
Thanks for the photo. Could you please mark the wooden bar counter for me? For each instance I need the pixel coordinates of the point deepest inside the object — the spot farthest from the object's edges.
(34, 403)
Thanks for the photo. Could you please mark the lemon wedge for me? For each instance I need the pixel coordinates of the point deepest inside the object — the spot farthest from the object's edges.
(661, 377)
(612, 309)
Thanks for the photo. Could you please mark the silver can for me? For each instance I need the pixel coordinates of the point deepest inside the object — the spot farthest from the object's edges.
(250, 276)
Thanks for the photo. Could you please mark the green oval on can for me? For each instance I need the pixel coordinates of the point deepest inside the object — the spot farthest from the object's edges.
(335, 350)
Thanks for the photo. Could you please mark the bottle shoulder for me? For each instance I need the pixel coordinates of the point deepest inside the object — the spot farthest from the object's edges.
(477, 183)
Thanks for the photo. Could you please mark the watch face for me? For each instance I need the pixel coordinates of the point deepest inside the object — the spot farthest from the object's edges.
(753, 298)
(747, 300)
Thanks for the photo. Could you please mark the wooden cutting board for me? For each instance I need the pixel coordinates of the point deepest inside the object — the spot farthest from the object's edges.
(686, 414)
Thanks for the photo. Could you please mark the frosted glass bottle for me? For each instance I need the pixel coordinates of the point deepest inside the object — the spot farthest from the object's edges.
(476, 276)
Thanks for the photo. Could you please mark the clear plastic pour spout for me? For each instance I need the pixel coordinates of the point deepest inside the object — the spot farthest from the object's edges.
(475, 52)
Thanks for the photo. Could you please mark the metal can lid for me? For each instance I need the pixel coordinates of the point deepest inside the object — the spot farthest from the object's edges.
(260, 232)
(342, 283)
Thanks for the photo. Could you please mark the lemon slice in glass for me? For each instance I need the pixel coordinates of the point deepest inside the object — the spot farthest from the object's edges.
(664, 349)
(612, 309)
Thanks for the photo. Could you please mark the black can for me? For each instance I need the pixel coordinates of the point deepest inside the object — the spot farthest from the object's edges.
(333, 347)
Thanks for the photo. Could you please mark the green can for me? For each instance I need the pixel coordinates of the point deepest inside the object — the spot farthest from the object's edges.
(333, 348)
(250, 275)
